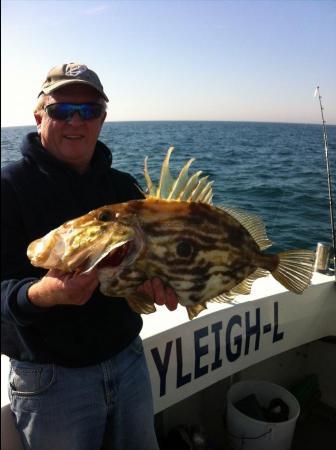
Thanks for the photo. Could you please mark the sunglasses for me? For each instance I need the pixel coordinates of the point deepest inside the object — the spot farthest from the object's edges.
(65, 111)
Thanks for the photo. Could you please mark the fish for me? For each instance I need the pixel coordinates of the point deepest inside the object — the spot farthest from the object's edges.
(206, 253)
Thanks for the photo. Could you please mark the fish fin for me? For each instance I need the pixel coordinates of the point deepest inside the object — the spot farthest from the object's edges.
(140, 190)
(189, 187)
(226, 297)
(203, 191)
(243, 288)
(184, 187)
(295, 269)
(141, 303)
(151, 188)
(166, 180)
(253, 224)
(181, 182)
(194, 310)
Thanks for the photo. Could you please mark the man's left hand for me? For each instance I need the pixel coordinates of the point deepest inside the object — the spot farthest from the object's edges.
(160, 293)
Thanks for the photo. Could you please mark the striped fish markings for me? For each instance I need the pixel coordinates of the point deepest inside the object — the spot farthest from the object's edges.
(205, 253)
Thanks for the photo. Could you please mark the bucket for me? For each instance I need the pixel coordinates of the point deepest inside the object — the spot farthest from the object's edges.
(247, 433)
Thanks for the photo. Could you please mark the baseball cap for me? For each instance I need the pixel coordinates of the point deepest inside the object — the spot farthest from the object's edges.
(71, 73)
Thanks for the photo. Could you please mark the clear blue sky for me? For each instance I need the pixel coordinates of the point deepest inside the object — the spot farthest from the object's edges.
(177, 60)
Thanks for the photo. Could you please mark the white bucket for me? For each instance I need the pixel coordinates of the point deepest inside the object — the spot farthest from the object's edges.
(247, 433)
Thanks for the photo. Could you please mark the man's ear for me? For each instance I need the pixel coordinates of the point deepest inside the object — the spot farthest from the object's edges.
(104, 117)
(38, 120)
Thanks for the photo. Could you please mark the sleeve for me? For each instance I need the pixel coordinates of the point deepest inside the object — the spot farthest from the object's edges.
(17, 274)
(126, 186)
(136, 191)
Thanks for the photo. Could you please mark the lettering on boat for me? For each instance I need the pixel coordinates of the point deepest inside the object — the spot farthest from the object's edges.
(198, 353)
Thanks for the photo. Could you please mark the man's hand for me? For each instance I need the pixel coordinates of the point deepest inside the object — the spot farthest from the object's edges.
(60, 288)
(161, 294)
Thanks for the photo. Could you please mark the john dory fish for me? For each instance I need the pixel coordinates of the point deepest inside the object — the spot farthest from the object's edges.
(205, 253)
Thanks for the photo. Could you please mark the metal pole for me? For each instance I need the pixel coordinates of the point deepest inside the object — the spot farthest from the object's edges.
(331, 204)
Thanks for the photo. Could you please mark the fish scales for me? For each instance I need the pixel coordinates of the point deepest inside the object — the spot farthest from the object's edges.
(205, 253)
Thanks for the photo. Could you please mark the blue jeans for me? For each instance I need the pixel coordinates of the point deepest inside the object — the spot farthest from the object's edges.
(106, 406)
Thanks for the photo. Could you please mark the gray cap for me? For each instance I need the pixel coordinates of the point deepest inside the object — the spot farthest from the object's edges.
(71, 73)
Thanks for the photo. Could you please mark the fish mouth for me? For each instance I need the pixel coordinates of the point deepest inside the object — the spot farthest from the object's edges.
(117, 256)
(114, 257)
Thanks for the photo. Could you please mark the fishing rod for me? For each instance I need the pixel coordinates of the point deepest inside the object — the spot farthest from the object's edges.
(331, 203)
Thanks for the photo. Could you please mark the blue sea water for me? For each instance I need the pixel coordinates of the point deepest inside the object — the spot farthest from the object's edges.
(275, 170)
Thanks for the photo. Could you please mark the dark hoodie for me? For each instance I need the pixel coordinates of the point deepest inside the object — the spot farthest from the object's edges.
(40, 193)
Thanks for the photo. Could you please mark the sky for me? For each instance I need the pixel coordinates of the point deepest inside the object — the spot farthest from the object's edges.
(177, 60)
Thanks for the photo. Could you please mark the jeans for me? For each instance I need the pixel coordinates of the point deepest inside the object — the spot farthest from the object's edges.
(106, 406)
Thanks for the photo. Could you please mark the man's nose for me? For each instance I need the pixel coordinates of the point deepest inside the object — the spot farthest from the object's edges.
(75, 119)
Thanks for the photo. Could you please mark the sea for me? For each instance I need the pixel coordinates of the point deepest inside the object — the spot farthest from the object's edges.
(275, 170)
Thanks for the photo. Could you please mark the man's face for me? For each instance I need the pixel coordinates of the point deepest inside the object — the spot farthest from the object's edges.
(72, 141)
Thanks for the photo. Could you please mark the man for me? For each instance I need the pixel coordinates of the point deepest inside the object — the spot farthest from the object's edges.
(78, 377)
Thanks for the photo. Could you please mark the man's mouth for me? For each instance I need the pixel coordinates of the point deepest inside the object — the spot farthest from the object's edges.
(73, 136)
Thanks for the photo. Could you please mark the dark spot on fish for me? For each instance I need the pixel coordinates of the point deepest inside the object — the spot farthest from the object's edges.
(113, 282)
(202, 213)
(201, 271)
(238, 272)
(236, 236)
(184, 249)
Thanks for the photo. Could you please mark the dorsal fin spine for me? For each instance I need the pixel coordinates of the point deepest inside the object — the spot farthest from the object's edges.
(150, 186)
(166, 180)
(190, 187)
(181, 181)
(205, 192)
(183, 188)
(195, 195)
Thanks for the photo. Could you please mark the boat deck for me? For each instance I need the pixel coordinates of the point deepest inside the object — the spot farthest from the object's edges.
(317, 431)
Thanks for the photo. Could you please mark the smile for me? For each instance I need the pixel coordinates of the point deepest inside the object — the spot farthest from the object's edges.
(74, 137)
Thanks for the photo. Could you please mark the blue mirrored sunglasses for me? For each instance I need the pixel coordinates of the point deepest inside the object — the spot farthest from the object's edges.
(65, 111)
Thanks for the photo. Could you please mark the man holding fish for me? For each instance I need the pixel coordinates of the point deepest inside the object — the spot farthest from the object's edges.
(78, 370)
(78, 376)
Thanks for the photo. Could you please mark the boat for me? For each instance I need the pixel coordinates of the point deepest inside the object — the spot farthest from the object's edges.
(270, 334)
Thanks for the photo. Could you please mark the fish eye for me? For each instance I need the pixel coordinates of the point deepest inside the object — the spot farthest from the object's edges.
(105, 216)
(184, 249)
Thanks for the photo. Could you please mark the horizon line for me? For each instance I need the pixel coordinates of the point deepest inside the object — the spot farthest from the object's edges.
(193, 120)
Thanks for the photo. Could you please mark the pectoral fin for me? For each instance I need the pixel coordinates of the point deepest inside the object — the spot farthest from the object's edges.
(194, 310)
(141, 303)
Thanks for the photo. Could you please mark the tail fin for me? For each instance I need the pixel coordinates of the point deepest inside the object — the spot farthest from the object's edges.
(295, 269)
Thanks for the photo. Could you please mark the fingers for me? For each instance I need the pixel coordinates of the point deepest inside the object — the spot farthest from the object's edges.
(154, 288)
(172, 300)
(161, 294)
(159, 291)
(146, 288)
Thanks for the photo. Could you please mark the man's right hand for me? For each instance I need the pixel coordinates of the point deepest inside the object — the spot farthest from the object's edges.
(60, 288)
